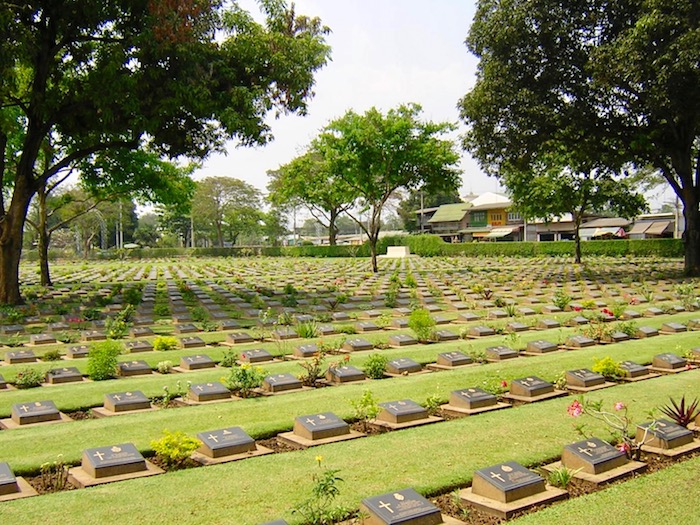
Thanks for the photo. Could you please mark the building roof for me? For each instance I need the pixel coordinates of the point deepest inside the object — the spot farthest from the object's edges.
(607, 222)
(490, 199)
(450, 212)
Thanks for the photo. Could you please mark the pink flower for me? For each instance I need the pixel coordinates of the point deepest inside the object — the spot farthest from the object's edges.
(623, 447)
(619, 405)
(575, 409)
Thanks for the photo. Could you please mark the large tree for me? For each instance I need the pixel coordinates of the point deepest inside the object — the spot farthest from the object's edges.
(377, 154)
(179, 77)
(308, 180)
(605, 82)
(226, 207)
(550, 189)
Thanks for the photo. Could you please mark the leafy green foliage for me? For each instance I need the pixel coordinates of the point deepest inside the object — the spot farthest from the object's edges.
(375, 366)
(163, 343)
(28, 378)
(102, 360)
(244, 378)
(174, 448)
(608, 368)
(422, 324)
(317, 509)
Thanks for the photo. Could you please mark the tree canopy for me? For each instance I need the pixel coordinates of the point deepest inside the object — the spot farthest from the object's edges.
(600, 83)
(308, 180)
(376, 154)
(174, 78)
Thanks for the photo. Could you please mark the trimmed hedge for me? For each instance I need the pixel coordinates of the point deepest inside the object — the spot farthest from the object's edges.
(424, 245)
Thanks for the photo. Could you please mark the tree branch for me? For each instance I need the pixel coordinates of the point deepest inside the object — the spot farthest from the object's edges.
(82, 153)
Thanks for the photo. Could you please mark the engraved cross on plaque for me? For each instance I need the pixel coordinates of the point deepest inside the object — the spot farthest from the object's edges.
(586, 451)
(496, 475)
(99, 455)
(386, 506)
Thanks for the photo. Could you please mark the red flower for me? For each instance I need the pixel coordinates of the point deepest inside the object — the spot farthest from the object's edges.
(504, 384)
(577, 308)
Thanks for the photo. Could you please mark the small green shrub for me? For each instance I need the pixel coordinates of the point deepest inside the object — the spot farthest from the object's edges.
(116, 328)
(229, 358)
(51, 355)
(560, 477)
(561, 299)
(174, 448)
(28, 378)
(199, 314)
(164, 367)
(608, 368)
(102, 360)
(366, 408)
(375, 366)
(244, 378)
(422, 324)
(164, 343)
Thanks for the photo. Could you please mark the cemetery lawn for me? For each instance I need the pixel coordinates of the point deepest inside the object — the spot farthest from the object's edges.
(433, 459)
(666, 496)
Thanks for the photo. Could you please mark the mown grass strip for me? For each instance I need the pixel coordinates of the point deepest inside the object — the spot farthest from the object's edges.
(433, 459)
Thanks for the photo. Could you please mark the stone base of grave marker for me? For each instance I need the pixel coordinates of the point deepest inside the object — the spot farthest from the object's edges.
(80, 478)
(682, 450)
(22, 489)
(470, 401)
(320, 429)
(228, 444)
(623, 471)
(397, 415)
(507, 510)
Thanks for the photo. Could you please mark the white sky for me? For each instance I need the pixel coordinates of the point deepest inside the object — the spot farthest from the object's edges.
(384, 53)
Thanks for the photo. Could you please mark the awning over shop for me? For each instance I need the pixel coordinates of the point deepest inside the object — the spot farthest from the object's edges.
(479, 235)
(599, 232)
(639, 228)
(658, 228)
(497, 233)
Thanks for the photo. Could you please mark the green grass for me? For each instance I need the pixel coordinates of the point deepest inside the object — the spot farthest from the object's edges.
(433, 459)
(666, 496)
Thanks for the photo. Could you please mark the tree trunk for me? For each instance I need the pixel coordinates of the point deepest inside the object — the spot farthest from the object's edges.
(11, 236)
(691, 235)
(332, 230)
(219, 235)
(373, 251)
(577, 238)
(43, 239)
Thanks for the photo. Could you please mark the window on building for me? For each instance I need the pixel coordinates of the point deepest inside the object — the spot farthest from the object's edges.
(497, 217)
(514, 216)
(478, 218)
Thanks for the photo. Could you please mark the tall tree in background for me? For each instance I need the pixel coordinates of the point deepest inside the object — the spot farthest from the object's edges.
(308, 179)
(600, 83)
(551, 189)
(409, 205)
(377, 154)
(225, 205)
(177, 78)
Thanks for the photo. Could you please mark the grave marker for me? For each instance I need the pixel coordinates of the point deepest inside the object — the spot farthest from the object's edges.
(134, 347)
(399, 340)
(77, 351)
(126, 401)
(401, 411)
(134, 368)
(345, 374)
(20, 356)
(196, 362)
(257, 355)
(507, 482)
(68, 374)
(593, 456)
(668, 362)
(41, 339)
(530, 387)
(452, 359)
(281, 383)
(204, 392)
(225, 442)
(404, 507)
(13, 487)
(583, 378)
(236, 338)
(357, 344)
(34, 412)
(192, 342)
(663, 434)
(540, 346)
(500, 353)
(446, 335)
(402, 365)
(307, 350)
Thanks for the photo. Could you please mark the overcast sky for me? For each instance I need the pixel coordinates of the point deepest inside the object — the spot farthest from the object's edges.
(384, 53)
